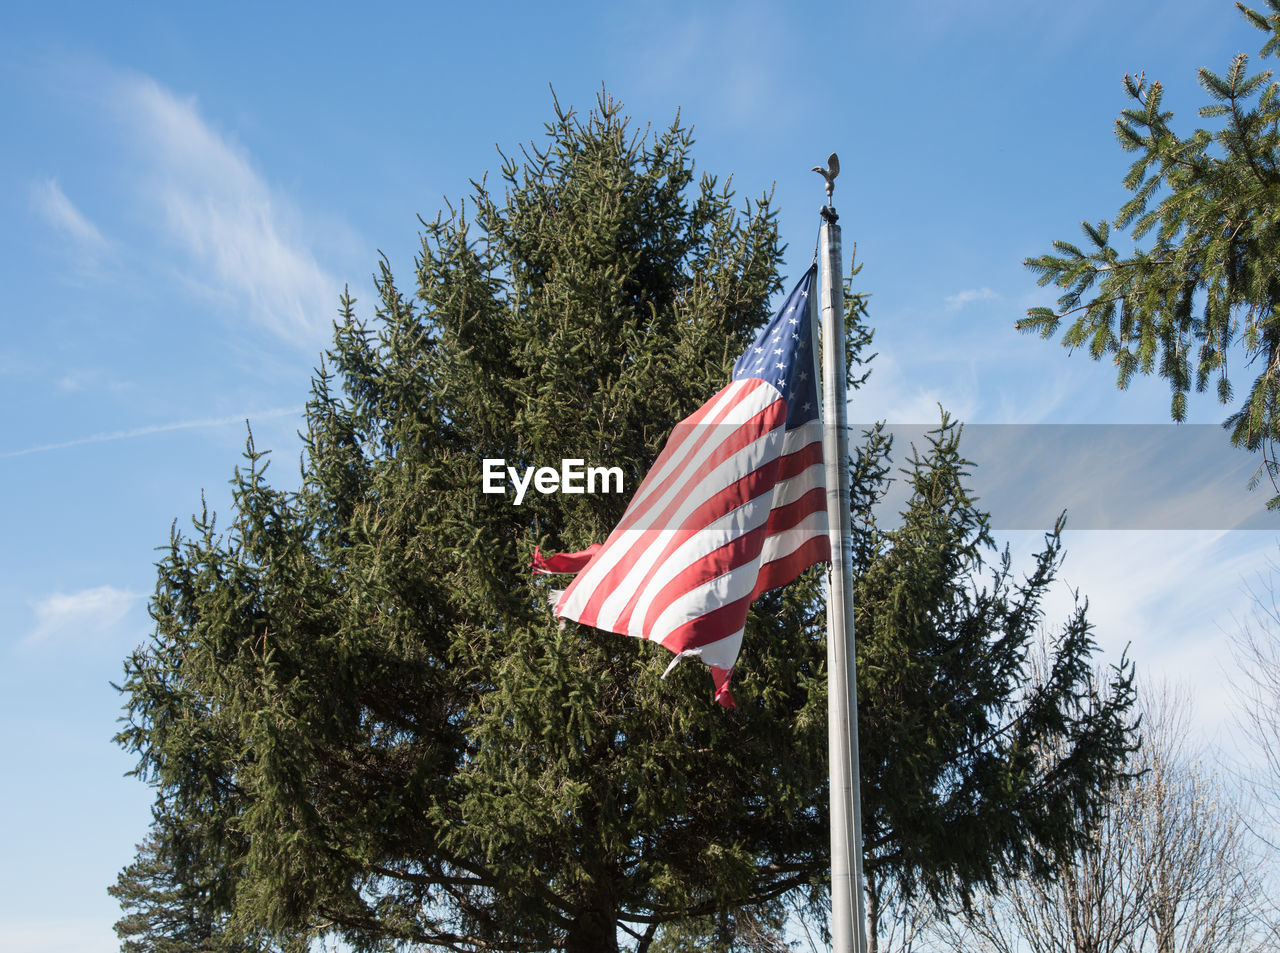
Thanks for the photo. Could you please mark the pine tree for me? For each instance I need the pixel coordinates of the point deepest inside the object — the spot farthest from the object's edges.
(973, 762)
(356, 697)
(161, 914)
(168, 904)
(755, 929)
(1207, 288)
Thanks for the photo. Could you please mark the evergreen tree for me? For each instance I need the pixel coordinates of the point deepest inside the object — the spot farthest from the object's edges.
(168, 906)
(357, 699)
(973, 762)
(755, 929)
(1207, 288)
(161, 914)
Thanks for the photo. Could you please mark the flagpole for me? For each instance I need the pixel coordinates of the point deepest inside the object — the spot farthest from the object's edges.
(848, 922)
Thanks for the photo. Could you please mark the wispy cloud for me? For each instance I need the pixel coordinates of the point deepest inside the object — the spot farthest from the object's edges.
(59, 211)
(79, 615)
(1169, 599)
(957, 301)
(78, 380)
(893, 394)
(1157, 477)
(107, 436)
(242, 236)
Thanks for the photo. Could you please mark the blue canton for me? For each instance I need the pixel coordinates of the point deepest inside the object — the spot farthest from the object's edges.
(783, 355)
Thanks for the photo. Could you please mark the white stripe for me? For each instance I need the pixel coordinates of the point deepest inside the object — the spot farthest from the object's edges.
(788, 491)
(800, 437)
(722, 590)
(721, 653)
(742, 520)
(692, 433)
(656, 539)
(689, 497)
(778, 545)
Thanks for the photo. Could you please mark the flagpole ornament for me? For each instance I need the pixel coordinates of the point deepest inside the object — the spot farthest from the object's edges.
(829, 176)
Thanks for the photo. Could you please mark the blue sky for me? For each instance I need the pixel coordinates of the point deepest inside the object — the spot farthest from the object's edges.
(184, 193)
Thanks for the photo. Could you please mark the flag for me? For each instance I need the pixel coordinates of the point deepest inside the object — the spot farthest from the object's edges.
(734, 505)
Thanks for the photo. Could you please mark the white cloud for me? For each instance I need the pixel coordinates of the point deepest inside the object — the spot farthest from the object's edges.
(52, 203)
(961, 298)
(78, 380)
(891, 394)
(108, 436)
(80, 615)
(1034, 405)
(241, 235)
(1172, 598)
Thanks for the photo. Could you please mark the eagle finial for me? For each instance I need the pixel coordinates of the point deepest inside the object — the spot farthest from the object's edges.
(829, 173)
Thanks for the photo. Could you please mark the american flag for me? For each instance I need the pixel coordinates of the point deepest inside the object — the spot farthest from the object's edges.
(734, 505)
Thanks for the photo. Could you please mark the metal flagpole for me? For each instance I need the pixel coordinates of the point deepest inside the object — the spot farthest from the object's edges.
(848, 922)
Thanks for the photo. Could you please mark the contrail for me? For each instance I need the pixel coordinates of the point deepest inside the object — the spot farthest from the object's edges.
(155, 428)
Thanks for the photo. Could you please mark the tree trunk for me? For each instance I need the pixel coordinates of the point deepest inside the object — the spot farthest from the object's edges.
(873, 913)
(595, 930)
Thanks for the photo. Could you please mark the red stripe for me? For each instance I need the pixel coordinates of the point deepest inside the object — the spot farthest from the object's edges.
(792, 514)
(746, 433)
(720, 623)
(737, 552)
(563, 562)
(796, 462)
(779, 572)
(736, 495)
(720, 677)
(692, 429)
